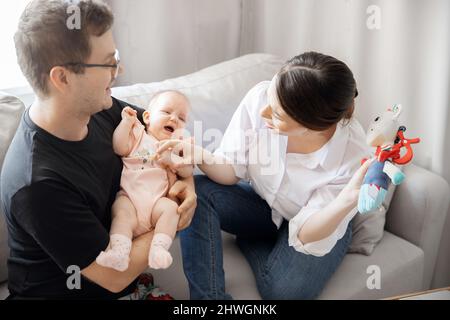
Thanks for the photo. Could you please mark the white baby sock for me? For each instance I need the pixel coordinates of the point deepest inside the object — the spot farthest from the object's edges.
(118, 256)
(159, 256)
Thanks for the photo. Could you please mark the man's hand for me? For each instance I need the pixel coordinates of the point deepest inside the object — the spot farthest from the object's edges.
(184, 190)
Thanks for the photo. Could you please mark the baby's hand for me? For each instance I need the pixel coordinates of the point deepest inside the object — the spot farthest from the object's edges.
(129, 114)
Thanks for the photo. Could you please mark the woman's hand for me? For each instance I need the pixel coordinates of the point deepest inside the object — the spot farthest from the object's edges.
(350, 193)
(184, 190)
(183, 152)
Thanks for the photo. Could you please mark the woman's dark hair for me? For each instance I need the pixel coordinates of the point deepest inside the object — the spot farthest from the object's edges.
(316, 90)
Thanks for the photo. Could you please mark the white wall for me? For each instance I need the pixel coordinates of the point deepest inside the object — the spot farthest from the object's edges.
(161, 39)
(406, 61)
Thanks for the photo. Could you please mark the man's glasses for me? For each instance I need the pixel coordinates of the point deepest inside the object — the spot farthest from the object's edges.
(115, 66)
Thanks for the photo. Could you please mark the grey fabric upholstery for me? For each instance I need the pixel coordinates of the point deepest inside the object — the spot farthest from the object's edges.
(11, 108)
(418, 214)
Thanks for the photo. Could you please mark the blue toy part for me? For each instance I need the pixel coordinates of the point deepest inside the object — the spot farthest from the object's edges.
(398, 178)
(374, 188)
(370, 198)
(376, 175)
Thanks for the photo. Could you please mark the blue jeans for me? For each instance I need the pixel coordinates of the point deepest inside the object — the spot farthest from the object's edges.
(280, 271)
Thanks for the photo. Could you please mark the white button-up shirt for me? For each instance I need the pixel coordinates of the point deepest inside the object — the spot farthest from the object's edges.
(295, 186)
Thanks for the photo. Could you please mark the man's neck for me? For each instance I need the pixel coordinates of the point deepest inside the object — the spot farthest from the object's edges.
(59, 119)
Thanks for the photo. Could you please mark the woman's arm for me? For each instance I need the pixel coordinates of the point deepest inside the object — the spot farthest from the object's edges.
(217, 169)
(122, 142)
(324, 222)
(214, 166)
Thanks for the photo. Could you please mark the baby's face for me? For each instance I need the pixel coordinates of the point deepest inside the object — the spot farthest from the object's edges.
(167, 116)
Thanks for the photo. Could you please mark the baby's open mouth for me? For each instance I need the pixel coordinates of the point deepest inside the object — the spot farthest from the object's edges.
(169, 128)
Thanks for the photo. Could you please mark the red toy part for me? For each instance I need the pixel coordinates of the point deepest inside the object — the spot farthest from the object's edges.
(393, 152)
(406, 143)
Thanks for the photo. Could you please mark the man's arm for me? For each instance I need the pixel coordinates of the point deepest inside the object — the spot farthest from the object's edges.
(116, 281)
(59, 220)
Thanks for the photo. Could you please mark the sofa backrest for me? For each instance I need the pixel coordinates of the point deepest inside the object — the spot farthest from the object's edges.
(214, 92)
(11, 108)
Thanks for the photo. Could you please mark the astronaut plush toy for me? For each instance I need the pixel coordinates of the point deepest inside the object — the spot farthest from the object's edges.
(386, 135)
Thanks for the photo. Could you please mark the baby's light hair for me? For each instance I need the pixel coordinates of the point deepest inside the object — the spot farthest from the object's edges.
(159, 93)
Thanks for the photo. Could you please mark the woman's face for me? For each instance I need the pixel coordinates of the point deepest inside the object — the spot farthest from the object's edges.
(276, 118)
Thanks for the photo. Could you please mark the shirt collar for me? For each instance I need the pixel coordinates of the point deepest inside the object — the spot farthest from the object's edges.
(330, 155)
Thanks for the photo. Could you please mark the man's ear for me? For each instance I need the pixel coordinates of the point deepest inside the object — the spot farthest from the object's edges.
(58, 78)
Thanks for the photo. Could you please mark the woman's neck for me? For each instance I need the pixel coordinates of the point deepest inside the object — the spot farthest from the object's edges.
(310, 142)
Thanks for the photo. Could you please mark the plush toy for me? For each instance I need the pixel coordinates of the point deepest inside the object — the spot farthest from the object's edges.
(387, 136)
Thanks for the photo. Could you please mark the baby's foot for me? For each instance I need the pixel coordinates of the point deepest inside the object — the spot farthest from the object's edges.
(113, 259)
(159, 258)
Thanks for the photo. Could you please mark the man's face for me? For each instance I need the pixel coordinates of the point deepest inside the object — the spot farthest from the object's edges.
(92, 90)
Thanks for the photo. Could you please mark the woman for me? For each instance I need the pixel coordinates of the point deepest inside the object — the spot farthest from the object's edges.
(295, 141)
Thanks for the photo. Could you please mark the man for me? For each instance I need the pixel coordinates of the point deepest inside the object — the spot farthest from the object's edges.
(60, 175)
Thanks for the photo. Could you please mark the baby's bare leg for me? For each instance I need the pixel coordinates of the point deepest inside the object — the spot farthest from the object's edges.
(124, 221)
(124, 218)
(165, 219)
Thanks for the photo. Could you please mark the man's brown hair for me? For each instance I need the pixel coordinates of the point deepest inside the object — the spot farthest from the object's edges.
(44, 39)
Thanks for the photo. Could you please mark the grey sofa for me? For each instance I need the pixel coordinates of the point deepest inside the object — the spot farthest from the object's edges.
(411, 255)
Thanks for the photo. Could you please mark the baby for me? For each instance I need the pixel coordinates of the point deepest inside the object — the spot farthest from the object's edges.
(142, 204)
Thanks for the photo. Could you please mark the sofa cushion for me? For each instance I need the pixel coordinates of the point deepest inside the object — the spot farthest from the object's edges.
(11, 108)
(400, 262)
(368, 228)
(401, 266)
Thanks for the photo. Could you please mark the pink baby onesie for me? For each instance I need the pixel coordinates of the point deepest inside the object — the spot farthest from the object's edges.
(143, 181)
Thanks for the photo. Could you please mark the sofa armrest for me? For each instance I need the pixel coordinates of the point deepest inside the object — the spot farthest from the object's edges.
(418, 212)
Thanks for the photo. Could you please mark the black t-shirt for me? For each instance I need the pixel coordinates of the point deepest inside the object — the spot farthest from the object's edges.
(57, 197)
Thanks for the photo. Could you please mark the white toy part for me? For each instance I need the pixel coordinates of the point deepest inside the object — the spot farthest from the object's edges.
(394, 173)
(383, 129)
